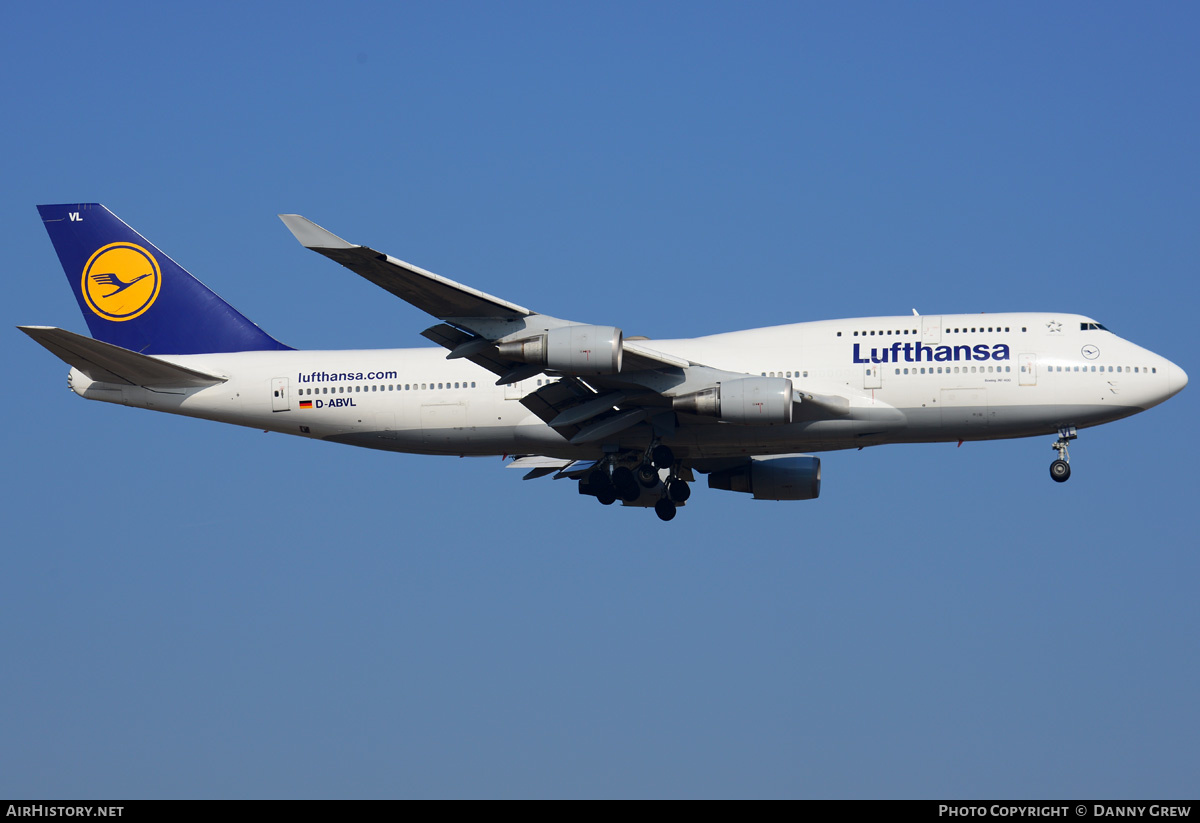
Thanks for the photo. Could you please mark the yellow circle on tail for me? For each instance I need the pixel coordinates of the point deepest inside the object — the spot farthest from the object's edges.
(121, 281)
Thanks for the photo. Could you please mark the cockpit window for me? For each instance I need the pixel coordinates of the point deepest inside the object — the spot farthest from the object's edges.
(1090, 326)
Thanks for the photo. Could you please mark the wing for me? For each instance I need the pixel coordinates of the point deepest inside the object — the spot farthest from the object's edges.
(608, 384)
(427, 291)
(474, 321)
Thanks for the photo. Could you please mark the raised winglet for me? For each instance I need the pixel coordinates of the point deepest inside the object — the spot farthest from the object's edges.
(312, 236)
(440, 296)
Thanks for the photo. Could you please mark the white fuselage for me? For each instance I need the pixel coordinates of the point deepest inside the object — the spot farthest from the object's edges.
(908, 379)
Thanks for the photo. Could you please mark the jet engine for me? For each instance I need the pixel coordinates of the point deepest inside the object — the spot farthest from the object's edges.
(757, 401)
(772, 478)
(570, 350)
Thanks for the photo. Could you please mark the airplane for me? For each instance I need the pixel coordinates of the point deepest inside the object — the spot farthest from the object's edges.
(628, 418)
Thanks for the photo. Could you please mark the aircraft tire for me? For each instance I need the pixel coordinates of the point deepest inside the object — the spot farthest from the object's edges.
(1060, 470)
(678, 490)
(599, 481)
(662, 457)
(625, 485)
(665, 509)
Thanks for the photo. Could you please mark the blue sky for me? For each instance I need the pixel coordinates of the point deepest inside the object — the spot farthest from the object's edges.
(198, 610)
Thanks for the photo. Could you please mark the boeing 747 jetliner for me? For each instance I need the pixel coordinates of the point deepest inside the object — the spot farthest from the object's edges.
(628, 418)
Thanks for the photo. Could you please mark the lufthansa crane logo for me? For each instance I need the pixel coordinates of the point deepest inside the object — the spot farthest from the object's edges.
(121, 281)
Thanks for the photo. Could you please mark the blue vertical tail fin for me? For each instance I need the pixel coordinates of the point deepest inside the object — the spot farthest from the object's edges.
(134, 296)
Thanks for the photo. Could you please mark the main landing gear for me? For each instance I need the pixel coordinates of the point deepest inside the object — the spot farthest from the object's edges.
(675, 489)
(1060, 469)
(611, 481)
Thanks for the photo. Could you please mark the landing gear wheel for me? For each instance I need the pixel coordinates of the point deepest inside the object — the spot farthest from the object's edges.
(1060, 470)
(662, 457)
(647, 476)
(678, 490)
(665, 509)
(598, 486)
(625, 485)
(597, 482)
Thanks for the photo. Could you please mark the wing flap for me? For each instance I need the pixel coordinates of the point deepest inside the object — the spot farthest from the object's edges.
(552, 399)
(456, 339)
(608, 426)
(539, 465)
(107, 363)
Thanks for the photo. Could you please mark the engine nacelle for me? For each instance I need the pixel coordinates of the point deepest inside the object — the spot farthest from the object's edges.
(570, 350)
(756, 401)
(772, 478)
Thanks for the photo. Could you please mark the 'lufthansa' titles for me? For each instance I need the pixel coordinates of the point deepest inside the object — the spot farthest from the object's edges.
(920, 353)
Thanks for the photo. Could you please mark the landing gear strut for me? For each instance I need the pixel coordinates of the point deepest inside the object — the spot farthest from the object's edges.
(613, 479)
(599, 485)
(624, 484)
(1060, 469)
(675, 489)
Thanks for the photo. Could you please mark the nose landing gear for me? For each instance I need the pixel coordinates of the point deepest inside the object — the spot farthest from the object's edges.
(1060, 469)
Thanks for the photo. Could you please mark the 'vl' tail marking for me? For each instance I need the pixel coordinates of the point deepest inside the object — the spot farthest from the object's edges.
(134, 296)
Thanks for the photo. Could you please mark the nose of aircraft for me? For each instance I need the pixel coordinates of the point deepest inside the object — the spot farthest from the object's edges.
(1176, 379)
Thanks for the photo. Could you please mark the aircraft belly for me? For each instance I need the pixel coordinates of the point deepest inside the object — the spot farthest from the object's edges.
(929, 425)
(444, 427)
(815, 435)
(964, 411)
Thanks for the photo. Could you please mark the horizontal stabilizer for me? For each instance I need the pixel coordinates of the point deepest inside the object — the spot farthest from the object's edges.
(107, 363)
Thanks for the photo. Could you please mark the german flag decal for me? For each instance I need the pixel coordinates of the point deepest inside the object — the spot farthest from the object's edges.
(306, 404)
